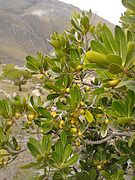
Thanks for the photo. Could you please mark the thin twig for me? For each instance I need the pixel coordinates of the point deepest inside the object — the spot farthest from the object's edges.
(17, 152)
(114, 134)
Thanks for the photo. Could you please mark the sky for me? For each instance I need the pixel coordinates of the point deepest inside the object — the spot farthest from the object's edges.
(108, 9)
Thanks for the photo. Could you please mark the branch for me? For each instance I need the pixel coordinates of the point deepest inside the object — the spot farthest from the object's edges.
(114, 134)
(16, 152)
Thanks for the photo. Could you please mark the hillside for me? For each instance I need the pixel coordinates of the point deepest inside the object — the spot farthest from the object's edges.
(26, 25)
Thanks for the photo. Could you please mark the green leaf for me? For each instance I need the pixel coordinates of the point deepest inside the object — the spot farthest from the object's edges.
(115, 69)
(67, 152)
(131, 140)
(130, 52)
(98, 91)
(124, 120)
(46, 144)
(28, 166)
(129, 4)
(98, 47)
(109, 40)
(120, 39)
(51, 86)
(89, 117)
(114, 59)
(106, 175)
(59, 149)
(130, 102)
(128, 19)
(63, 138)
(44, 113)
(119, 108)
(52, 96)
(71, 161)
(103, 130)
(57, 176)
(32, 63)
(33, 149)
(37, 144)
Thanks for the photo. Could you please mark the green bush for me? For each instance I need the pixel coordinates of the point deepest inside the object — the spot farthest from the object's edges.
(86, 126)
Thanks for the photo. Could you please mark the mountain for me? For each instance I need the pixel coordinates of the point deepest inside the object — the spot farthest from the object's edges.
(25, 26)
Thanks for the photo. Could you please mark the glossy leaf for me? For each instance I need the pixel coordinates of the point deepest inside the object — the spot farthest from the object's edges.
(120, 39)
(89, 117)
(109, 40)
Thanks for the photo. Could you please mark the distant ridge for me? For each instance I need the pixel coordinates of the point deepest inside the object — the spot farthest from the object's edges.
(25, 26)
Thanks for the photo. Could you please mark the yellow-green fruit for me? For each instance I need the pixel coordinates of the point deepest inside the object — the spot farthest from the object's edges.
(76, 123)
(31, 117)
(77, 143)
(60, 126)
(17, 115)
(40, 76)
(111, 83)
(87, 88)
(107, 121)
(99, 115)
(82, 103)
(62, 123)
(99, 167)
(53, 113)
(79, 133)
(95, 57)
(3, 152)
(68, 90)
(9, 123)
(79, 67)
(29, 122)
(82, 111)
(73, 121)
(74, 130)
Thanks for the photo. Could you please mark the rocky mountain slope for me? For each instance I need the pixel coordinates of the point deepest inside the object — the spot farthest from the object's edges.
(25, 26)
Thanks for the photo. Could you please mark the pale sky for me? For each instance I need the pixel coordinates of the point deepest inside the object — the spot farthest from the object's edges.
(108, 9)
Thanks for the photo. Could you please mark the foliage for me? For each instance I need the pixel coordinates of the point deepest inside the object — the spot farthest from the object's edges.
(17, 76)
(85, 127)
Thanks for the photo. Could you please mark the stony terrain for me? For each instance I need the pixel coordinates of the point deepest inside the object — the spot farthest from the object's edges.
(26, 25)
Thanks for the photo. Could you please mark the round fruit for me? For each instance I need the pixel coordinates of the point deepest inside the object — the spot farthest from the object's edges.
(60, 126)
(67, 90)
(30, 117)
(29, 122)
(17, 115)
(74, 130)
(82, 111)
(9, 123)
(99, 167)
(82, 103)
(76, 123)
(77, 143)
(54, 114)
(62, 123)
(107, 121)
(79, 133)
(79, 67)
(87, 88)
(73, 121)
(99, 115)
(40, 76)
